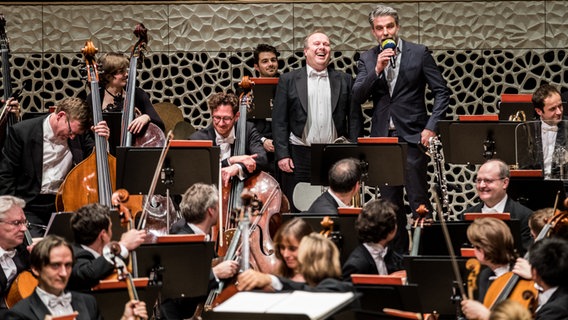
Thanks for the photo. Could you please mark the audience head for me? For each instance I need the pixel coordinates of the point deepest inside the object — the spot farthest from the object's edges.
(510, 310)
(198, 201)
(51, 261)
(224, 112)
(344, 175)
(492, 182)
(266, 60)
(492, 240)
(317, 50)
(91, 221)
(318, 259)
(538, 219)
(114, 68)
(547, 104)
(384, 23)
(376, 222)
(13, 222)
(287, 240)
(549, 261)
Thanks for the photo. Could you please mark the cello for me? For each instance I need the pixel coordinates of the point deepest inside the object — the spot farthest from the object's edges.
(92, 180)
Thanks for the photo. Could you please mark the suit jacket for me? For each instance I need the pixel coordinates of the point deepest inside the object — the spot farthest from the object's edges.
(517, 211)
(87, 271)
(32, 308)
(534, 157)
(22, 261)
(407, 106)
(556, 308)
(290, 110)
(361, 261)
(22, 158)
(325, 203)
(253, 145)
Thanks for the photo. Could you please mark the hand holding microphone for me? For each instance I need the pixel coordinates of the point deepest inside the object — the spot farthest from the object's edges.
(390, 44)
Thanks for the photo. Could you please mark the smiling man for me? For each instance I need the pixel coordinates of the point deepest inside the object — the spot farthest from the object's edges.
(39, 153)
(312, 105)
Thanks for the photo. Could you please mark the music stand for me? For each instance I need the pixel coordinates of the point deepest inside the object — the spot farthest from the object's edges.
(111, 301)
(181, 269)
(472, 142)
(435, 286)
(386, 163)
(537, 193)
(60, 225)
(508, 109)
(263, 94)
(183, 166)
(377, 297)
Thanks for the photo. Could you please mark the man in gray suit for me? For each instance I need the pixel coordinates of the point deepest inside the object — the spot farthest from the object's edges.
(312, 105)
(394, 76)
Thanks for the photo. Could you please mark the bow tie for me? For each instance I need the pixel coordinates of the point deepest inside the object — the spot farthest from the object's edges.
(551, 129)
(8, 254)
(318, 74)
(379, 252)
(63, 300)
(229, 140)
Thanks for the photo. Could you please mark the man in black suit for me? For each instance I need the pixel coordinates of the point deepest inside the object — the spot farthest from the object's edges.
(549, 264)
(92, 228)
(395, 80)
(491, 185)
(344, 177)
(199, 208)
(312, 105)
(376, 227)
(225, 113)
(14, 256)
(39, 153)
(51, 262)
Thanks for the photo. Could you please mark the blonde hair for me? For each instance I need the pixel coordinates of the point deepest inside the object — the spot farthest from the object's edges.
(318, 259)
(510, 310)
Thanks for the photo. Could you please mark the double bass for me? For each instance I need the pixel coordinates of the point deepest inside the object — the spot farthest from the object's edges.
(7, 118)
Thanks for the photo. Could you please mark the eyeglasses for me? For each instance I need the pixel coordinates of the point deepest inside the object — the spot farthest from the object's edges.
(225, 119)
(487, 181)
(17, 223)
(71, 133)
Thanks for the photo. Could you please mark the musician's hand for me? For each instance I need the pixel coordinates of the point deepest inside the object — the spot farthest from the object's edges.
(101, 129)
(523, 269)
(251, 279)
(248, 161)
(228, 172)
(474, 310)
(425, 136)
(268, 146)
(286, 165)
(14, 106)
(134, 310)
(138, 124)
(132, 238)
(226, 269)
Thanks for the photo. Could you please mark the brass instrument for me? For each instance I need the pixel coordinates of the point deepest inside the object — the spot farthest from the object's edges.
(518, 116)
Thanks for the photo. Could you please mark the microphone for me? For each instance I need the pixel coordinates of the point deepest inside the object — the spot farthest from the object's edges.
(390, 44)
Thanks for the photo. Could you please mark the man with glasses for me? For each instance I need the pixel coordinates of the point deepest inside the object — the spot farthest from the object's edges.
(225, 113)
(14, 257)
(491, 185)
(39, 153)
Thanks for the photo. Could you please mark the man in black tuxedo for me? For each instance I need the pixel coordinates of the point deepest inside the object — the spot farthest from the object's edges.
(51, 262)
(92, 229)
(39, 153)
(225, 113)
(549, 264)
(395, 80)
(376, 227)
(14, 256)
(344, 177)
(312, 105)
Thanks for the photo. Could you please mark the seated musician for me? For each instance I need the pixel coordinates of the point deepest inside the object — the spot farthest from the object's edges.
(538, 219)
(318, 263)
(39, 153)
(494, 248)
(51, 262)
(92, 228)
(14, 257)
(344, 177)
(549, 262)
(491, 185)
(199, 208)
(376, 227)
(225, 113)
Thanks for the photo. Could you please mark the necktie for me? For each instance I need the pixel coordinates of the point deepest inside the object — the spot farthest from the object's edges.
(318, 74)
(63, 300)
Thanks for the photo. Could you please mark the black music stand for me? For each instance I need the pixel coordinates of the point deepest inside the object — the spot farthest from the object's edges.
(386, 163)
(60, 225)
(508, 109)
(377, 297)
(474, 142)
(183, 166)
(180, 269)
(111, 301)
(537, 193)
(263, 94)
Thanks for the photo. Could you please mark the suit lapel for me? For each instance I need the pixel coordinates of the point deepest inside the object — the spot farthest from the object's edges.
(335, 85)
(301, 83)
(407, 57)
(370, 260)
(37, 144)
(78, 305)
(37, 307)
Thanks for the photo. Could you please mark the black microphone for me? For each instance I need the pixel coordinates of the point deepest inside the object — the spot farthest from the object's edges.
(390, 44)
